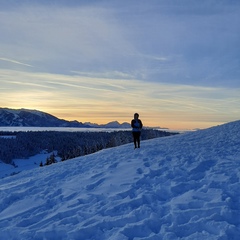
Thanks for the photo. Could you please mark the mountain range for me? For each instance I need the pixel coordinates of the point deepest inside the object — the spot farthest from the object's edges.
(34, 118)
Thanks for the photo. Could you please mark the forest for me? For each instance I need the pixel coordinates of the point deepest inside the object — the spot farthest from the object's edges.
(67, 144)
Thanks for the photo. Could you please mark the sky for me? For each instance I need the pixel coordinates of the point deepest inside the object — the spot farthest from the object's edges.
(176, 63)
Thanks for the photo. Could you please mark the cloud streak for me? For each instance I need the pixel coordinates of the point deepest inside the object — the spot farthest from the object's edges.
(155, 42)
(15, 62)
(97, 100)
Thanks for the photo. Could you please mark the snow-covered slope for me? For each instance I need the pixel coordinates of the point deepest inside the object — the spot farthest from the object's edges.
(34, 118)
(181, 187)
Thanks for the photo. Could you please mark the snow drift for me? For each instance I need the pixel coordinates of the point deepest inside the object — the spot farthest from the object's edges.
(179, 187)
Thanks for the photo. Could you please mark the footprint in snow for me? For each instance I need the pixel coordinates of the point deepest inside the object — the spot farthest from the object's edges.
(147, 164)
(94, 185)
(113, 166)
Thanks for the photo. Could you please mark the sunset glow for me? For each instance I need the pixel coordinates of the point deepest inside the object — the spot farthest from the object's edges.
(176, 65)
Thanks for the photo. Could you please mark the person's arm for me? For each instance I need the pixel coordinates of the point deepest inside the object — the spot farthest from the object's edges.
(132, 123)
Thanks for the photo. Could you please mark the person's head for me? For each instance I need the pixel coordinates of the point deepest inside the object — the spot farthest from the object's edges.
(136, 115)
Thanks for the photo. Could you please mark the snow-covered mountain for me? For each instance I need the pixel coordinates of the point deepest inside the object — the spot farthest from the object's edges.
(113, 124)
(34, 118)
(180, 187)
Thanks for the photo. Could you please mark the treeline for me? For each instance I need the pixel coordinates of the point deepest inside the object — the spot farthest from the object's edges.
(67, 144)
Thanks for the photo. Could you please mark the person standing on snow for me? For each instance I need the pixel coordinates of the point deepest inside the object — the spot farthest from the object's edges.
(136, 125)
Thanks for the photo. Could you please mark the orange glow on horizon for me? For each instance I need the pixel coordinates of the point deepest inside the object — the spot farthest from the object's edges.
(173, 125)
(101, 101)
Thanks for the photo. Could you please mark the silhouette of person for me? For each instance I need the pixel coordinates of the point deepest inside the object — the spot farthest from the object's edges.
(136, 125)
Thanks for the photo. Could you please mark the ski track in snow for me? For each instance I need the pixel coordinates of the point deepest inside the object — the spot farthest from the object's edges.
(179, 187)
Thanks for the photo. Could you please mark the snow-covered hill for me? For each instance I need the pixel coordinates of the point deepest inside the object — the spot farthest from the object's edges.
(33, 118)
(181, 187)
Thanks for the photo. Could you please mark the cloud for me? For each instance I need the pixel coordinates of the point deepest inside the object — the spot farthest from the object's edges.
(102, 99)
(15, 62)
(109, 75)
(182, 42)
(63, 39)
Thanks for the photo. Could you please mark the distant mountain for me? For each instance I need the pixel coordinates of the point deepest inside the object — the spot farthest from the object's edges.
(34, 118)
(113, 124)
(116, 124)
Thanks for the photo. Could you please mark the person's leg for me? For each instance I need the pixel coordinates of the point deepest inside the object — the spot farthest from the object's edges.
(134, 139)
(138, 139)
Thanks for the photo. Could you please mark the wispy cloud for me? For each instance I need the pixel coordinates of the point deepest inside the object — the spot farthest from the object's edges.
(109, 75)
(99, 99)
(14, 61)
(185, 44)
(23, 84)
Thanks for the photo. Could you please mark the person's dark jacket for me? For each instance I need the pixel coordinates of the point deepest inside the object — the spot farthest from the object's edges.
(136, 125)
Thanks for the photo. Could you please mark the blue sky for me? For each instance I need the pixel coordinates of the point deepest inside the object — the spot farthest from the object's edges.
(177, 63)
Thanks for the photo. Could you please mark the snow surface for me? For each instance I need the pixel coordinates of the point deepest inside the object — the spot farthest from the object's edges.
(180, 187)
(24, 164)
